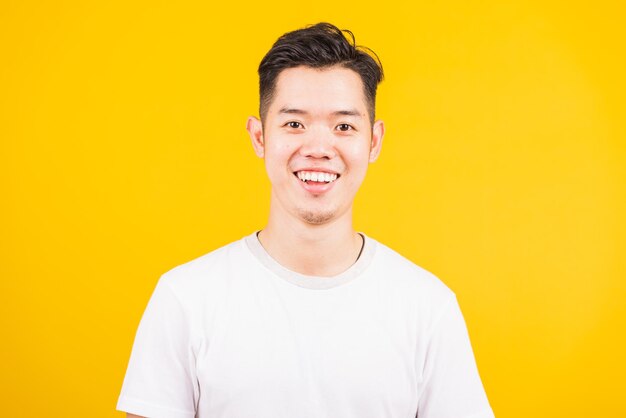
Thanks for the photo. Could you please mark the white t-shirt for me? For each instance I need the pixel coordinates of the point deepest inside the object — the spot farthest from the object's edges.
(234, 334)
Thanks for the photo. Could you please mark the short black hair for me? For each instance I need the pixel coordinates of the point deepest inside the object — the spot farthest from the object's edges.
(319, 46)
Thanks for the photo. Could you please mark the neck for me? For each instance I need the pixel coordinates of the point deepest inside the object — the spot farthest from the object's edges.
(314, 250)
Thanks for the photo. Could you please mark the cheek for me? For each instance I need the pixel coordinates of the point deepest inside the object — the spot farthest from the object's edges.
(357, 156)
(278, 157)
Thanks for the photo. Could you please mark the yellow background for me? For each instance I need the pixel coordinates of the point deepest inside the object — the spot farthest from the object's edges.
(123, 153)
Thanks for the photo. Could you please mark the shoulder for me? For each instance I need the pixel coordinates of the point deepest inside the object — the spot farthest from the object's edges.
(404, 275)
(207, 274)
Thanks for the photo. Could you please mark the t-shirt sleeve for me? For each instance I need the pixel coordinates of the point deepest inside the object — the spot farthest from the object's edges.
(161, 380)
(451, 384)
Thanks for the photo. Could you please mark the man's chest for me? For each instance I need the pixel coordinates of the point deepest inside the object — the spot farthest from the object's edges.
(276, 357)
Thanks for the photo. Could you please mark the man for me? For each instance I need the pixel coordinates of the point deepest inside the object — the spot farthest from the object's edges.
(306, 318)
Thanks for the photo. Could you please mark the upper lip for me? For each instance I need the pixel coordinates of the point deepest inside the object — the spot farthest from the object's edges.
(318, 170)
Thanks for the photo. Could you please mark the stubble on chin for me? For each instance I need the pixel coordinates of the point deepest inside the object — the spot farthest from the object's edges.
(316, 218)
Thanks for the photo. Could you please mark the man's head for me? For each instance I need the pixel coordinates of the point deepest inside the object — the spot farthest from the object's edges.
(317, 134)
(319, 46)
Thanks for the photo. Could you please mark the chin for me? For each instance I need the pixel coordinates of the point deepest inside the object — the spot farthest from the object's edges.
(316, 218)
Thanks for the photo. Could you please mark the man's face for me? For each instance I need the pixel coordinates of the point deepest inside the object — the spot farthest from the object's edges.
(317, 141)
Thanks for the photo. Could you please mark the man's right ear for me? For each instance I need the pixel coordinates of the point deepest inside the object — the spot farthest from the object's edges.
(255, 130)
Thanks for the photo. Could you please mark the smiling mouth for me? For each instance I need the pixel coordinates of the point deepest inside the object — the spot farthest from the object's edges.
(316, 176)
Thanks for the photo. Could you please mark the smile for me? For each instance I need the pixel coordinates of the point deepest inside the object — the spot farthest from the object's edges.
(316, 176)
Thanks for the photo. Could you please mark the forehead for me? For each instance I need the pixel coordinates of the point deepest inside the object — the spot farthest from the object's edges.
(319, 90)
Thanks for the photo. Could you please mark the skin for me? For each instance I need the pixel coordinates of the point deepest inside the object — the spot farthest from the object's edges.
(318, 120)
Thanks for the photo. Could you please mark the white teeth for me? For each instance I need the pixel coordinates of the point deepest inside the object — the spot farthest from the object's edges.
(316, 176)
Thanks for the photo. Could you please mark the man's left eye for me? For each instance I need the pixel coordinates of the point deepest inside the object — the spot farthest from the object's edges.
(344, 127)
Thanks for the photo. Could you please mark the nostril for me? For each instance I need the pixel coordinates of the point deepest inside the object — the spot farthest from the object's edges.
(317, 149)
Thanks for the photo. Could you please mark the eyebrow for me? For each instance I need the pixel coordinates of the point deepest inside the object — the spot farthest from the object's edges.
(295, 111)
(292, 111)
(349, 112)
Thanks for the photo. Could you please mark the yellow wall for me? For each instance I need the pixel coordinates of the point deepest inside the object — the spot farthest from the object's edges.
(123, 153)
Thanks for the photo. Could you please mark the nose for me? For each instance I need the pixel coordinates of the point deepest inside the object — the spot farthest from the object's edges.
(319, 145)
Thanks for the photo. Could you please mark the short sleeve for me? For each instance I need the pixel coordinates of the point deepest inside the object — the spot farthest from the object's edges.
(160, 379)
(451, 387)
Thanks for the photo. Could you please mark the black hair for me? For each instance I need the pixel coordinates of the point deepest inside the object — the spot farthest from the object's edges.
(319, 46)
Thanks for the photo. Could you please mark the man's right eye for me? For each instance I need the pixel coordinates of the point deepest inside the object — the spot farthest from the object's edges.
(294, 125)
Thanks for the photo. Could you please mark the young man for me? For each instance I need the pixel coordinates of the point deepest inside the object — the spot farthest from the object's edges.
(306, 318)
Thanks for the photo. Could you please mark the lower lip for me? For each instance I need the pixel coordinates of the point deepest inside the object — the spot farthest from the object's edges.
(315, 187)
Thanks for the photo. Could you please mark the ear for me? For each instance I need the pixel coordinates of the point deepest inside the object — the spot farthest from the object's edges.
(378, 131)
(255, 130)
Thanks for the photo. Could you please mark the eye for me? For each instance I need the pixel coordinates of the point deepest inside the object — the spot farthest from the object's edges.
(294, 125)
(344, 127)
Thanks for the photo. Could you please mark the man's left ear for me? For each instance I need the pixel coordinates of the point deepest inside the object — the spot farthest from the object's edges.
(378, 131)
